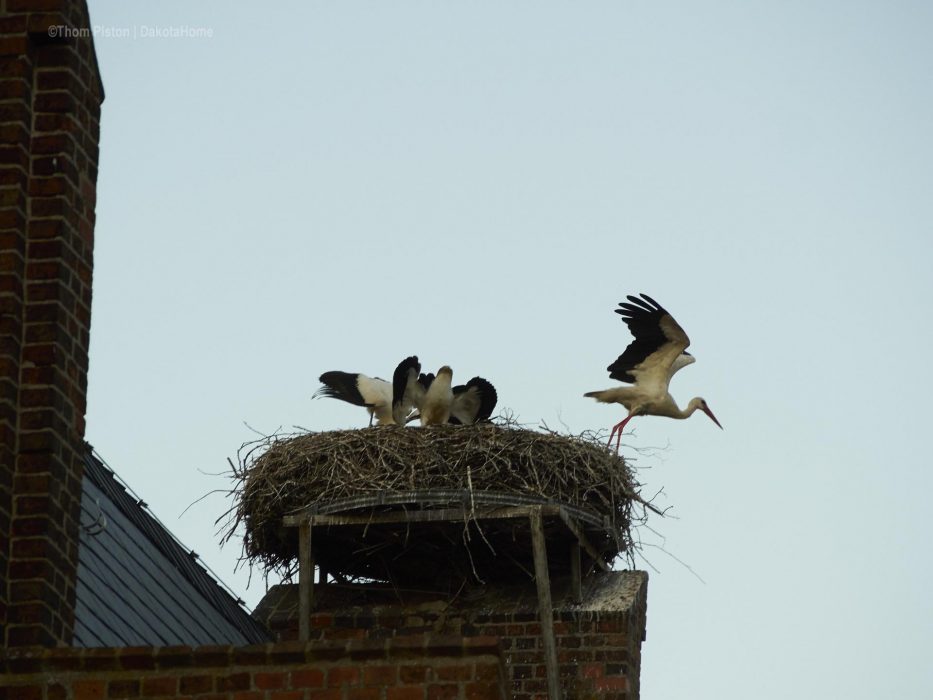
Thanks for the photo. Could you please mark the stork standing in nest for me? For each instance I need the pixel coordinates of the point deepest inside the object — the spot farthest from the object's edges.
(648, 363)
(437, 402)
(375, 394)
(435, 406)
(473, 402)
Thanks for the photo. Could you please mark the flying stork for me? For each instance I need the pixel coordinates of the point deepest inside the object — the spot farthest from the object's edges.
(372, 392)
(648, 363)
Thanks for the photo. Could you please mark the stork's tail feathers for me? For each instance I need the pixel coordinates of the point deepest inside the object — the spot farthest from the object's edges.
(604, 395)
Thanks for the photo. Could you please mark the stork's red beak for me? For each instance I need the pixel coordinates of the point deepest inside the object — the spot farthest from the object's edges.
(710, 414)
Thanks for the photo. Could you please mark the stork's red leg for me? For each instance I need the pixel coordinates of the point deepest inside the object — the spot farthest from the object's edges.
(611, 435)
(617, 430)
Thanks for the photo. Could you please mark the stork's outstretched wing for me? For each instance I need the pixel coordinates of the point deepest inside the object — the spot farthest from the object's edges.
(407, 391)
(373, 393)
(473, 402)
(655, 354)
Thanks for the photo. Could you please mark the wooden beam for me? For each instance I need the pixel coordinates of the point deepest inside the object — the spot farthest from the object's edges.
(545, 607)
(576, 587)
(448, 498)
(305, 580)
(420, 516)
(584, 542)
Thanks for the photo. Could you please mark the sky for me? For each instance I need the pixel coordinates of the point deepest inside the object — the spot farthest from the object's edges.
(339, 185)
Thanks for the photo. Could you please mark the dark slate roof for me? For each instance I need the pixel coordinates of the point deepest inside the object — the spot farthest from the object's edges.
(137, 585)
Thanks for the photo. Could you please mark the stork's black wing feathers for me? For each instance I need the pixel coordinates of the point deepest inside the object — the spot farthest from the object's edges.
(643, 318)
(400, 377)
(634, 355)
(649, 300)
(487, 398)
(341, 385)
(639, 306)
(425, 380)
(488, 395)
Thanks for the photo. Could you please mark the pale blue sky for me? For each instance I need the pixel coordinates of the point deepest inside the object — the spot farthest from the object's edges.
(339, 185)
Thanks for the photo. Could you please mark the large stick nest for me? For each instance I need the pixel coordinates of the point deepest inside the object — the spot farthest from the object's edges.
(333, 471)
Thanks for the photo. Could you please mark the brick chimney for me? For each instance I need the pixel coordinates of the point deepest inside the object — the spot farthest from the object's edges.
(598, 638)
(50, 97)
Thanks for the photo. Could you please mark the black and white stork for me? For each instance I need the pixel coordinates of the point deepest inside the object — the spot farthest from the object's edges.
(648, 363)
(430, 394)
(372, 392)
(437, 402)
(473, 402)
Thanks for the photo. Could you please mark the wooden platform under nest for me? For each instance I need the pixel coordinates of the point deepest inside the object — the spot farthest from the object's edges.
(432, 507)
(439, 540)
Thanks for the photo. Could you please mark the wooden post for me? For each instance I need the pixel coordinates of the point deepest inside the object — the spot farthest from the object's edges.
(305, 580)
(576, 586)
(545, 607)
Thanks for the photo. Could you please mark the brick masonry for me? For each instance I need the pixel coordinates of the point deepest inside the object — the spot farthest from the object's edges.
(50, 96)
(402, 668)
(428, 649)
(598, 640)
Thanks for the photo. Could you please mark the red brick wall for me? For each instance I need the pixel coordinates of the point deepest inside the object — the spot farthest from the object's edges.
(50, 99)
(419, 668)
(599, 650)
(596, 657)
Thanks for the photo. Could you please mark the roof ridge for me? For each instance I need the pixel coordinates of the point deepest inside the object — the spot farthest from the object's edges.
(183, 558)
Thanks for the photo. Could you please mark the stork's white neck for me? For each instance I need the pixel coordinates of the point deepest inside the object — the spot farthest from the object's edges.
(691, 408)
(670, 409)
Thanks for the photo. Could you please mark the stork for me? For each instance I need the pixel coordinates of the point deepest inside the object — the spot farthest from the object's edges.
(648, 363)
(473, 402)
(437, 400)
(372, 392)
(433, 396)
